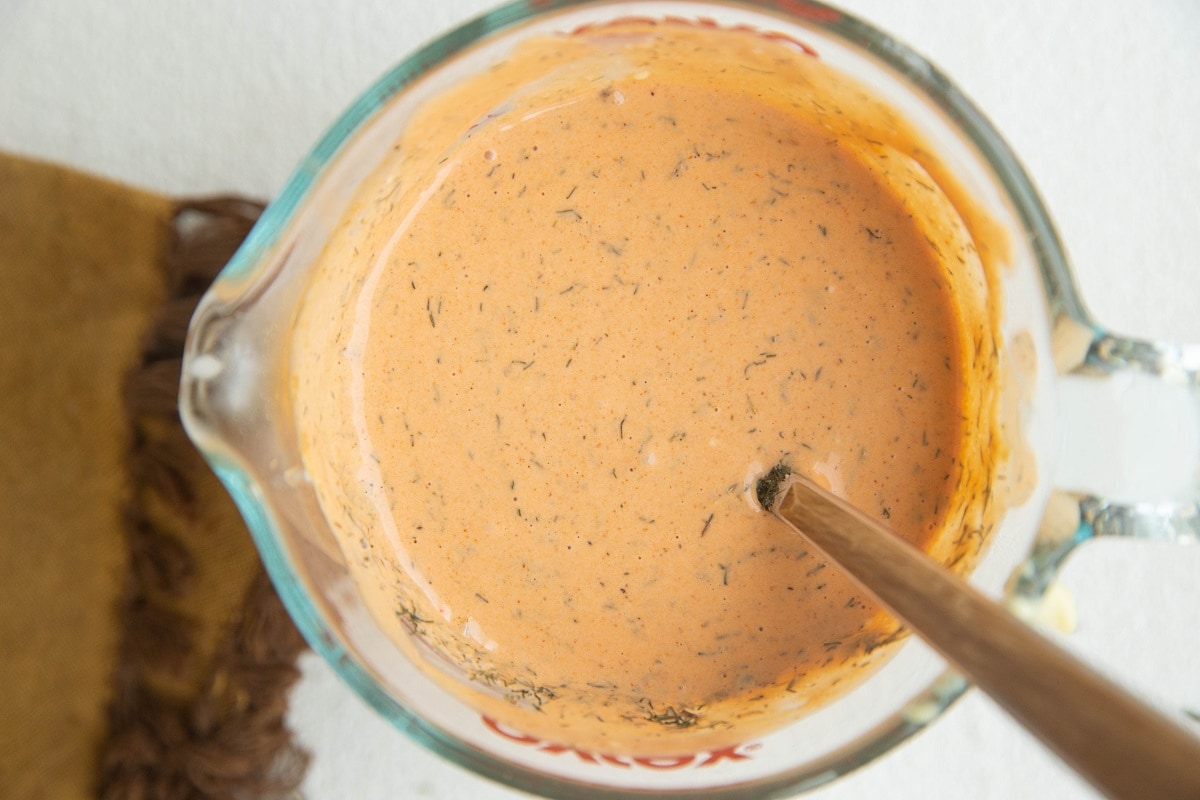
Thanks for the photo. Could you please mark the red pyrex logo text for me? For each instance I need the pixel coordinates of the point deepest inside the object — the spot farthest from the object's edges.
(737, 752)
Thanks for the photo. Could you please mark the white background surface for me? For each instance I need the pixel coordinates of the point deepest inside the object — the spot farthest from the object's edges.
(1101, 101)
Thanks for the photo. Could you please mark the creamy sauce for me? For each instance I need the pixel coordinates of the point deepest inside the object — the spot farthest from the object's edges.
(593, 295)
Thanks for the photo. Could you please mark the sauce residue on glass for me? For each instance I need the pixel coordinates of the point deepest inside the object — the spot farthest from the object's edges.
(592, 295)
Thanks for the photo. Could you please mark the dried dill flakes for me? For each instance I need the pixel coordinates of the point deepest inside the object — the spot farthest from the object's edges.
(876, 641)
(518, 691)
(672, 717)
(762, 359)
(411, 617)
(767, 489)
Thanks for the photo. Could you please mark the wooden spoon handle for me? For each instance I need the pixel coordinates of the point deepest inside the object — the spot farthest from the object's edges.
(1118, 743)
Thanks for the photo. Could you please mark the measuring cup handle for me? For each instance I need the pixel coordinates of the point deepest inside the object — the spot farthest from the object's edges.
(1152, 431)
(1129, 460)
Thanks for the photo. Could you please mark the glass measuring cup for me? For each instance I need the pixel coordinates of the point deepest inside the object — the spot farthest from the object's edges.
(235, 402)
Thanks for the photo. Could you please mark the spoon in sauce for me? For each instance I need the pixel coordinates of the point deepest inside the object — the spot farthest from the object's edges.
(1115, 741)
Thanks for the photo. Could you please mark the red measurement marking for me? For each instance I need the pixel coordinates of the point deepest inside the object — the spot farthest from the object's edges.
(735, 752)
(794, 7)
(800, 8)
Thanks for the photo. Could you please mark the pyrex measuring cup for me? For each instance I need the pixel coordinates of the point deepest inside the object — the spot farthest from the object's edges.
(235, 404)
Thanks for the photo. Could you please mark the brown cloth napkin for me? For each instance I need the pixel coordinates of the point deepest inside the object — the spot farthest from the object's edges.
(143, 653)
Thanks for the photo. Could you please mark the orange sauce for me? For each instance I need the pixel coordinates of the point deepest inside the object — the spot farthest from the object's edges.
(589, 298)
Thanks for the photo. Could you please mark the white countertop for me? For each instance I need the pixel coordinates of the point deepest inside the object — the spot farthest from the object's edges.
(1101, 101)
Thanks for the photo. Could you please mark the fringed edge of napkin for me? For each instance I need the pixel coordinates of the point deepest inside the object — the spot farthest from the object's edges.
(229, 739)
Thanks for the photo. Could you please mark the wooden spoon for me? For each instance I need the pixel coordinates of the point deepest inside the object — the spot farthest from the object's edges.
(1117, 742)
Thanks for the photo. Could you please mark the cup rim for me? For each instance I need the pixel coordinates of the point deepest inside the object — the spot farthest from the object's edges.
(928, 80)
